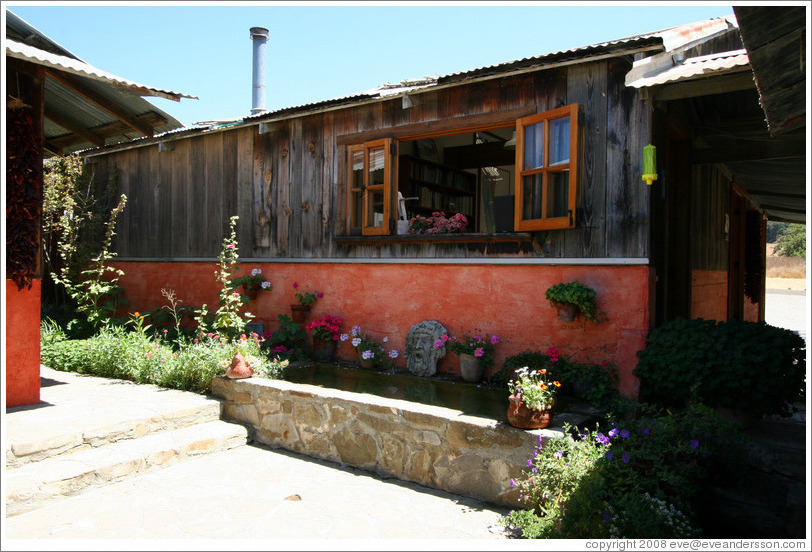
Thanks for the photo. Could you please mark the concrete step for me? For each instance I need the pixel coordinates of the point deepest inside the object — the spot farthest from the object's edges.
(37, 483)
(66, 437)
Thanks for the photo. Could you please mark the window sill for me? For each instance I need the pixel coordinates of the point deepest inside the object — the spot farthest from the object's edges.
(507, 237)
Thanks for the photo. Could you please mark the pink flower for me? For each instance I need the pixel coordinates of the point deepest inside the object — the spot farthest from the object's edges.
(494, 340)
(295, 285)
(478, 352)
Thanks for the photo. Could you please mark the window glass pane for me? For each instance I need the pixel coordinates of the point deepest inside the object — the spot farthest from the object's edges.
(357, 169)
(533, 146)
(557, 194)
(531, 197)
(356, 209)
(377, 161)
(559, 141)
(375, 214)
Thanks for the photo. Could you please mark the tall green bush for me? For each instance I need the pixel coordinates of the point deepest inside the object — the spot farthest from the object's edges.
(747, 366)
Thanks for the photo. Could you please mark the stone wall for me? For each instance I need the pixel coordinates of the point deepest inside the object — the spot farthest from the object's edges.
(433, 446)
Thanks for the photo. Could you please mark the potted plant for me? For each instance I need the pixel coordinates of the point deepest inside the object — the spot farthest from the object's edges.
(532, 397)
(475, 352)
(326, 332)
(251, 284)
(305, 301)
(573, 297)
(371, 352)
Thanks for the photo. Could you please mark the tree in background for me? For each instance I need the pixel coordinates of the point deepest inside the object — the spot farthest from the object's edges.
(792, 242)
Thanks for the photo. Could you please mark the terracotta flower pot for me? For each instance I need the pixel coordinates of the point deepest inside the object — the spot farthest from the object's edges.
(567, 311)
(366, 363)
(239, 369)
(299, 312)
(520, 416)
(251, 292)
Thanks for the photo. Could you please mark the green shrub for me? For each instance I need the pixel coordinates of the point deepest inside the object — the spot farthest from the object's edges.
(595, 384)
(745, 366)
(137, 356)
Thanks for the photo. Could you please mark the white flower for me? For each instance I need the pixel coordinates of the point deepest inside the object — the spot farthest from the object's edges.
(256, 272)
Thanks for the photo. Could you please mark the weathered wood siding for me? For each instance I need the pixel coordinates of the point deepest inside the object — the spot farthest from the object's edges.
(288, 186)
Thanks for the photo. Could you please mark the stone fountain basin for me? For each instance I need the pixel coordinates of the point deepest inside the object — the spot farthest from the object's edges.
(435, 446)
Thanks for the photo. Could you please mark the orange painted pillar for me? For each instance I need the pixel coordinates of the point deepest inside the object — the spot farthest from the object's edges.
(21, 362)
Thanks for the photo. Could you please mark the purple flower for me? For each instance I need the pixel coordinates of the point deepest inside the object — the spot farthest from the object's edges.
(512, 482)
(438, 343)
(393, 353)
(610, 455)
(645, 431)
(625, 458)
(319, 295)
(613, 432)
(606, 517)
(559, 454)
(602, 439)
(356, 341)
(694, 444)
(624, 433)
(265, 285)
(529, 462)
(494, 340)
(344, 337)
(366, 355)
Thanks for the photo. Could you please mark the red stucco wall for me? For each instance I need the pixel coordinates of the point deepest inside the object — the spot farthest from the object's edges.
(387, 299)
(21, 362)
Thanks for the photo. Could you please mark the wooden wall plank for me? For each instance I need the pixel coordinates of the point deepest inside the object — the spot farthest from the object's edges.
(586, 86)
(626, 201)
(163, 161)
(198, 190)
(215, 223)
(228, 176)
(181, 199)
(283, 211)
(244, 155)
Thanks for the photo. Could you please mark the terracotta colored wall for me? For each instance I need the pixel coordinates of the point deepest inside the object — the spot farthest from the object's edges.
(387, 299)
(22, 344)
(709, 294)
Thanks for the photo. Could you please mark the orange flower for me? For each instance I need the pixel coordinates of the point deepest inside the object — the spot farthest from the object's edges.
(543, 371)
(543, 386)
(557, 383)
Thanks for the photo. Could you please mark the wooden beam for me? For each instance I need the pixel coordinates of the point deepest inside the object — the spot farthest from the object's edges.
(750, 151)
(703, 86)
(103, 103)
(68, 123)
(116, 128)
(454, 125)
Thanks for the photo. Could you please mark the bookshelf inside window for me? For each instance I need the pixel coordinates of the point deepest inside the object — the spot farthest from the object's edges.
(437, 187)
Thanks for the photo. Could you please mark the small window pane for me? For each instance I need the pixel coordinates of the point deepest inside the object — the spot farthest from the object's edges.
(375, 214)
(358, 169)
(532, 186)
(558, 194)
(377, 162)
(560, 141)
(534, 146)
(357, 209)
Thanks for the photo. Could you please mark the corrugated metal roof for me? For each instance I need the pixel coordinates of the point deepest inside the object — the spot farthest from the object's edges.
(28, 53)
(65, 106)
(696, 67)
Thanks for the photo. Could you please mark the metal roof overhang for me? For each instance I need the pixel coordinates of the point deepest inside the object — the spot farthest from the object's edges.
(728, 128)
(87, 107)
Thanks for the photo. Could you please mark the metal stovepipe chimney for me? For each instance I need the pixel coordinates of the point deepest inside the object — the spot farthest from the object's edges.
(259, 36)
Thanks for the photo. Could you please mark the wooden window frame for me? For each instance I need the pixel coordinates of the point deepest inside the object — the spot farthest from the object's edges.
(552, 223)
(365, 190)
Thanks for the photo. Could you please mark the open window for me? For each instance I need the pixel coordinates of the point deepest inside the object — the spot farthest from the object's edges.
(546, 169)
(515, 177)
(370, 186)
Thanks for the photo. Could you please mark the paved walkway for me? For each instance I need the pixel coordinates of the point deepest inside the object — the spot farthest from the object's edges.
(248, 492)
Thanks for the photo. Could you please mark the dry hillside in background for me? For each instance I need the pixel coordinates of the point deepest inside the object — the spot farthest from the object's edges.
(784, 267)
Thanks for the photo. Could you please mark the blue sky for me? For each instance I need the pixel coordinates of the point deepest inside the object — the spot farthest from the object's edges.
(319, 51)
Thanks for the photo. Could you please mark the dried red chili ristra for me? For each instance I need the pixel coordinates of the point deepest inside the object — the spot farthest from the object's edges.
(23, 196)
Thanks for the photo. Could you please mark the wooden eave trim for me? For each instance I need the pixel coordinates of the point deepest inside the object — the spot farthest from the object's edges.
(103, 103)
(108, 130)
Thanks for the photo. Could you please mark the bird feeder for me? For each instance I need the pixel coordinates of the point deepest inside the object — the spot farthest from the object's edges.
(649, 164)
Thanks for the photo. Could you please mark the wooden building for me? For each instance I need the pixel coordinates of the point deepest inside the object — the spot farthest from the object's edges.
(544, 156)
